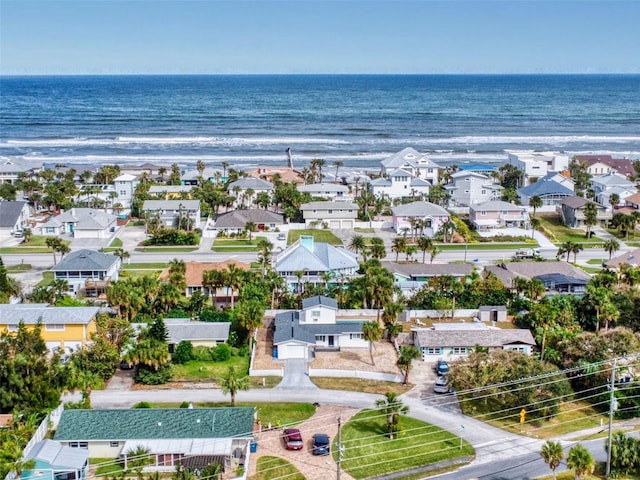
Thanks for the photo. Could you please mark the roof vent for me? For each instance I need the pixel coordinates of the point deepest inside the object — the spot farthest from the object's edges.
(159, 424)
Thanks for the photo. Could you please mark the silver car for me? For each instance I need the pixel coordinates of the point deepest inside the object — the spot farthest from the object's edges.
(441, 385)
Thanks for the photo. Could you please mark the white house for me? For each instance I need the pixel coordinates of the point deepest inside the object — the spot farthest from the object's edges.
(10, 172)
(87, 271)
(430, 215)
(330, 191)
(399, 183)
(298, 333)
(13, 217)
(246, 189)
(335, 214)
(170, 211)
(537, 164)
(125, 186)
(469, 188)
(416, 164)
(81, 223)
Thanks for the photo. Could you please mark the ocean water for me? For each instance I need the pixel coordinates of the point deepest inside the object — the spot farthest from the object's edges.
(355, 119)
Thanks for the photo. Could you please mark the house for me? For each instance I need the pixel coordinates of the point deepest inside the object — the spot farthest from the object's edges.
(53, 461)
(171, 212)
(550, 191)
(492, 313)
(603, 164)
(450, 341)
(631, 258)
(11, 173)
(569, 279)
(192, 177)
(246, 189)
(194, 279)
(13, 217)
(63, 328)
(191, 437)
(536, 165)
(298, 334)
(88, 272)
(632, 201)
(171, 192)
(416, 164)
(329, 191)
(308, 261)
(469, 188)
(236, 221)
(410, 277)
(399, 183)
(271, 174)
(498, 214)
(430, 215)
(125, 185)
(81, 223)
(332, 214)
(604, 198)
(573, 208)
(605, 185)
(200, 334)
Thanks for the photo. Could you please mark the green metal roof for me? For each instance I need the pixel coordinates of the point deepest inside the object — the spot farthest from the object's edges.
(154, 423)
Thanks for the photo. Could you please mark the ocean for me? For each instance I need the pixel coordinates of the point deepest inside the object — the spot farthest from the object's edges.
(247, 120)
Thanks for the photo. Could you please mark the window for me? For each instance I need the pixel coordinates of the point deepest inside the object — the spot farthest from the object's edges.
(433, 351)
(123, 193)
(458, 350)
(12, 328)
(516, 349)
(321, 338)
(49, 327)
(483, 212)
(484, 192)
(466, 191)
(315, 313)
(330, 212)
(79, 444)
(114, 444)
(355, 336)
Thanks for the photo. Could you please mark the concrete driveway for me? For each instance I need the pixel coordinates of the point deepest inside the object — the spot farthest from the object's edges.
(296, 376)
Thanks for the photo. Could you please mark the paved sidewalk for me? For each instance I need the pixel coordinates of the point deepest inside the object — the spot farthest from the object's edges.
(296, 376)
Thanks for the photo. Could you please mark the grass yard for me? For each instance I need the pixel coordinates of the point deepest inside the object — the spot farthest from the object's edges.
(113, 246)
(144, 266)
(175, 249)
(369, 453)
(275, 467)
(24, 267)
(135, 274)
(324, 236)
(235, 244)
(360, 385)
(596, 261)
(198, 370)
(364, 230)
(565, 234)
(103, 467)
(47, 279)
(483, 246)
(36, 244)
(269, 382)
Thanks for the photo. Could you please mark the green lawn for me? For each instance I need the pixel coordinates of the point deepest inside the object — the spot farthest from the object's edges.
(105, 466)
(364, 230)
(483, 246)
(19, 268)
(596, 261)
(198, 370)
(145, 266)
(565, 234)
(368, 452)
(166, 249)
(275, 467)
(236, 244)
(47, 279)
(113, 246)
(36, 244)
(324, 236)
(133, 274)
(360, 385)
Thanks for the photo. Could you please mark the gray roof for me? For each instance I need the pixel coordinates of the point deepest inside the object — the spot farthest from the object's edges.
(576, 202)
(380, 182)
(485, 337)
(155, 423)
(58, 456)
(9, 167)
(218, 331)
(155, 189)
(323, 258)
(323, 187)
(632, 258)
(32, 313)
(252, 183)
(288, 328)
(84, 219)
(240, 218)
(408, 155)
(328, 205)
(496, 205)
(467, 173)
(419, 209)
(551, 280)
(319, 300)
(545, 187)
(85, 260)
(489, 308)
(612, 179)
(10, 213)
(194, 174)
(429, 269)
(399, 172)
(419, 182)
(506, 272)
(171, 205)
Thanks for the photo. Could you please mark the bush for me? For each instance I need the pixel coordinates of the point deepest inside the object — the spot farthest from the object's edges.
(177, 313)
(213, 315)
(221, 353)
(153, 377)
(183, 352)
(185, 405)
(173, 236)
(202, 354)
(243, 351)
(142, 405)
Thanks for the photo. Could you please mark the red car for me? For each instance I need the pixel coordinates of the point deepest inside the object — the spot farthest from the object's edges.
(293, 439)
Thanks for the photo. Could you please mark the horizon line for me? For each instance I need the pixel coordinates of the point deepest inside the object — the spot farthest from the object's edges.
(158, 74)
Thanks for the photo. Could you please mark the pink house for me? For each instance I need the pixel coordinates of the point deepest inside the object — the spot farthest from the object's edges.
(498, 214)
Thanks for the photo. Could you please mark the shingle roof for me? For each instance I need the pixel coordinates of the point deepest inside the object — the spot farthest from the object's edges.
(534, 269)
(170, 204)
(398, 172)
(612, 179)
(240, 218)
(189, 331)
(194, 271)
(429, 269)
(32, 313)
(496, 205)
(84, 219)
(632, 258)
(466, 173)
(155, 189)
(545, 187)
(485, 337)
(58, 456)
(155, 423)
(323, 187)
(329, 206)
(85, 260)
(288, 328)
(380, 182)
(319, 300)
(195, 174)
(635, 198)
(10, 212)
(251, 182)
(575, 202)
(418, 182)
(323, 258)
(419, 209)
(407, 155)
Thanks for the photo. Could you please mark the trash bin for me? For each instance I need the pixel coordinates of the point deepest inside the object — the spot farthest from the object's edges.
(253, 447)
(275, 352)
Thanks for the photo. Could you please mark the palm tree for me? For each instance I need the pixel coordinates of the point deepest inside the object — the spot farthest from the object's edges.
(535, 202)
(231, 382)
(398, 246)
(590, 217)
(121, 254)
(424, 244)
(611, 246)
(376, 249)
(264, 253)
(250, 227)
(357, 244)
(53, 243)
(234, 278)
(212, 280)
(338, 164)
(392, 407)
(433, 252)
(580, 460)
(371, 332)
(406, 356)
(249, 315)
(575, 249)
(552, 455)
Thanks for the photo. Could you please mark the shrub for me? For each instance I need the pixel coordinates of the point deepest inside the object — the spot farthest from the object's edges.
(243, 351)
(213, 315)
(153, 377)
(221, 353)
(142, 405)
(202, 354)
(177, 313)
(184, 405)
(183, 352)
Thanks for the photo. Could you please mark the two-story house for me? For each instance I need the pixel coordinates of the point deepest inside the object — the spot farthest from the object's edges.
(498, 214)
(192, 177)
(88, 272)
(603, 164)
(170, 212)
(551, 189)
(416, 164)
(469, 188)
(572, 210)
(246, 189)
(336, 214)
(536, 165)
(430, 216)
(14, 216)
(11, 172)
(298, 333)
(605, 185)
(328, 191)
(125, 187)
(63, 328)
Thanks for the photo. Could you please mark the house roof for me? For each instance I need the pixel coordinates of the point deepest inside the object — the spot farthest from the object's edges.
(10, 213)
(553, 279)
(545, 187)
(322, 257)
(398, 172)
(328, 205)
(575, 202)
(490, 308)
(408, 155)
(319, 300)
(380, 182)
(251, 182)
(323, 187)
(155, 423)
(195, 174)
(194, 271)
(83, 219)
(189, 331)
(485, 337)
(286, 174)
(466, 173)
(125, 177)
(631, 258)
(496, 206)
(155, 189)
(240, 218)
(85, 260)
(622, 165)
(33, 313)
(429, 269)
(534, 269)
(171, 204)
(58, 456)
(10, 167)
(288, 328)
(419, 209)
(611, 179)
(419, 182)
(635, 198)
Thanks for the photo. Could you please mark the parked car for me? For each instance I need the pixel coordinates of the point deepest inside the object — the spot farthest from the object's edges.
(442, 367)
(125, 365)
(293, 439)
(282, 236)
(321, 444)
(441, 385)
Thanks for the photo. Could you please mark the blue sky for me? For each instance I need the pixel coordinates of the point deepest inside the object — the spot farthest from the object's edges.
(306, 36)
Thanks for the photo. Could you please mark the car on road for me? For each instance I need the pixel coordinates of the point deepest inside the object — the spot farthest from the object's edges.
(321, 444)
(441, 385)
(293, 439)
(442, 367)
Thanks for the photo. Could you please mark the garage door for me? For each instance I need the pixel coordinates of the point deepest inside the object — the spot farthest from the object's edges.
(53, 346)
(334, 223)
(347, 224)
(293, 351)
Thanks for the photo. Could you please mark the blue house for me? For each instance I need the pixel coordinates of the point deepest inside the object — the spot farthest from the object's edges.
(53, 461)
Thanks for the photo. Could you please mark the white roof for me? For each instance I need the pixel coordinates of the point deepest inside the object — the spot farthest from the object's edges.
(125, 177)
(188, 446)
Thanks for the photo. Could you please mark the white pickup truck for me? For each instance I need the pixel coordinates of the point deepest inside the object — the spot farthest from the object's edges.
(527, 253)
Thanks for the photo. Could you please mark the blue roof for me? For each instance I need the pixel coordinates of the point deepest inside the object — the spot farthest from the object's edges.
(545, 187)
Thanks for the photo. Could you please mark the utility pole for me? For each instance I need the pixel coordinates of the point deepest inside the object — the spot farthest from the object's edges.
(339, 447)
(612, 401)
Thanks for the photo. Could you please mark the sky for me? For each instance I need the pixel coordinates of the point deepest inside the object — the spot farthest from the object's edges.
(309, 36)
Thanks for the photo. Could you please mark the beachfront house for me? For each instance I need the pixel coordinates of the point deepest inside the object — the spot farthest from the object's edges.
(245, 191)
(88, 272)
(572, 210)
(425, 218)
(172, 212)
(469, 188)
(536, 165)
(399, 183)
(125, 186)
(11, 172)
(192, 177)
(337, 214)
(498, 214)
(551, 189)
(416, 164)
(603, 164)
(328, 191)
(171, 192)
